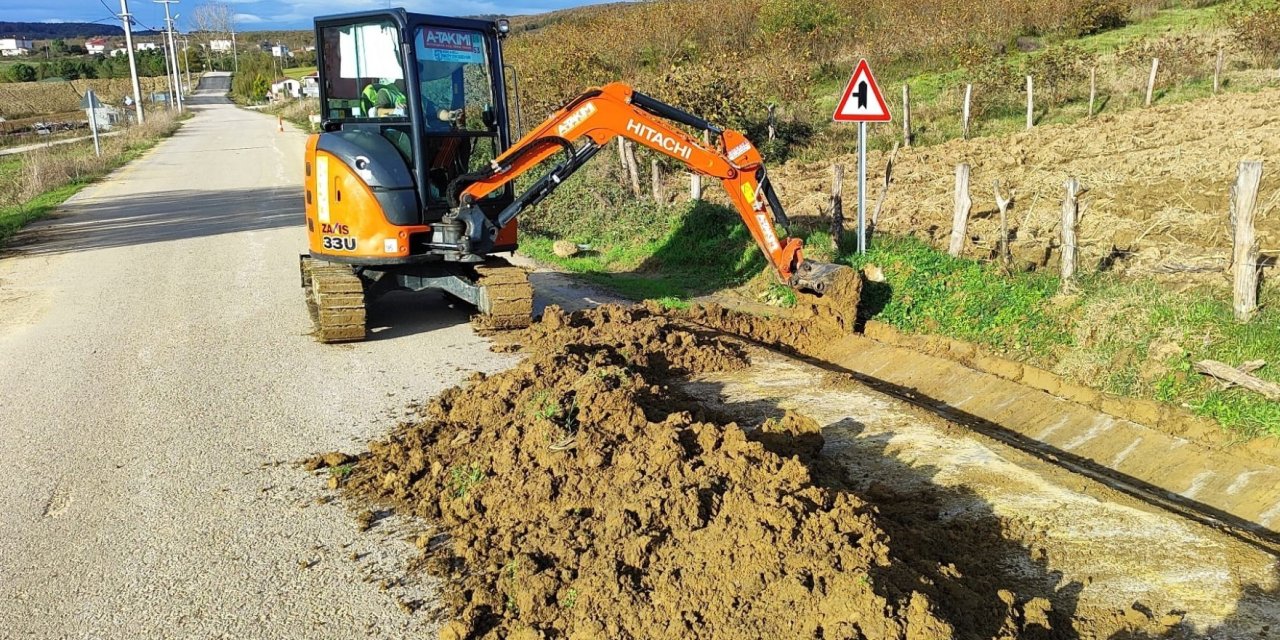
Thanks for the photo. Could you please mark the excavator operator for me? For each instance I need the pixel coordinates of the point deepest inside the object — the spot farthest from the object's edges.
(384, 99)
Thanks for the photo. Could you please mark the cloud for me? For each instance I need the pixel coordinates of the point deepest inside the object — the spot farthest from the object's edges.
(270, 14)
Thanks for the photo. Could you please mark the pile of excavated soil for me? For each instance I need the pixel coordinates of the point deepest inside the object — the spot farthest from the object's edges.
(575, 500)
(1158, 181)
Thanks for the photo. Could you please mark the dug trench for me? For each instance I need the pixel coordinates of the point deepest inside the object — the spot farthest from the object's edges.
(589, 493)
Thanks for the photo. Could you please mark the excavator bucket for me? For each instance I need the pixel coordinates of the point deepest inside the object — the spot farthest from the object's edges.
(836, 290)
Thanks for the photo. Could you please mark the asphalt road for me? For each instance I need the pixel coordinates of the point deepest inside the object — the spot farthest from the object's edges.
(157, 383)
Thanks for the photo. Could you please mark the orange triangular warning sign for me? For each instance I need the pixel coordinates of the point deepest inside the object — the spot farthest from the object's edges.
(862, 101)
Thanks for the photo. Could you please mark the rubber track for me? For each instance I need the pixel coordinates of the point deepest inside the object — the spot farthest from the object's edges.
(508, 296)
(336, 300)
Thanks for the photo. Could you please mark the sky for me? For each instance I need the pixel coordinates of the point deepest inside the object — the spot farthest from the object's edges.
(263, 14)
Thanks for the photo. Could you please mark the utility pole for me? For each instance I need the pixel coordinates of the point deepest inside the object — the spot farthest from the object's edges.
(177, 76)
(133, 64)
(186, 57)
(235, 55)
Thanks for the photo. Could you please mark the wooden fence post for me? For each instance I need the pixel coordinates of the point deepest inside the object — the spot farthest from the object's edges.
(1244, 200)
(622, 155)
(695, 179)
(1003, 203)
(773, 129)
(1151, 82)
(633, 167)
(968, 95)
(655, 170)
(837, 204)
(960, 221)
(1031, 103)
(906, 115)
(1070, 219)
(1093, 88)
(1217, 72)
(884, 190)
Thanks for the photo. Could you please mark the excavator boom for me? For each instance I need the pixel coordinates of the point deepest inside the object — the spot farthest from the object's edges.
(617, 110)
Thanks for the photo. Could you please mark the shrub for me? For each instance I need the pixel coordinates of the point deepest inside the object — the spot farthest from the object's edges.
(1180, 56)
(799, 16)
(1058, 70)
(1093, 16)
(1256, 23)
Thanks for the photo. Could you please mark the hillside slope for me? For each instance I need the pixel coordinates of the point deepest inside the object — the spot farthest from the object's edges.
(1158, 183)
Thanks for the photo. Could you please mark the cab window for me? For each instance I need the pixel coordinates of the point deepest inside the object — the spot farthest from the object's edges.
(457, 88)
(364, 76)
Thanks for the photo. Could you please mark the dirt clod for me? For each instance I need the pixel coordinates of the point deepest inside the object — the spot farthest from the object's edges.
(327, 460)
(791, 435)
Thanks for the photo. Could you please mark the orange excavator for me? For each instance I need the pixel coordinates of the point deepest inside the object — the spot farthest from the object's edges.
(411, 183)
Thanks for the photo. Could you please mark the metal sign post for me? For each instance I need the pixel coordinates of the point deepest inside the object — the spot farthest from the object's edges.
(93, 121)
(862, 187)
(862, 103)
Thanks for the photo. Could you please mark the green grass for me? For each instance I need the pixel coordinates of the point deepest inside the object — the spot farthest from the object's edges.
(705, 249)
(931, 292)
(464, 478)
(16, 217)
(297, 73)
(1132, 338)
(1165, 22)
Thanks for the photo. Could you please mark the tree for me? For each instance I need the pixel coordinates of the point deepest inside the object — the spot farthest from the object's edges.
(215, 20)
(257, 72)
(21, 72)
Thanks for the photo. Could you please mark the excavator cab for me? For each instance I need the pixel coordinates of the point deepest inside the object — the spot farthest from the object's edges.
(422, 100)
(409, 104)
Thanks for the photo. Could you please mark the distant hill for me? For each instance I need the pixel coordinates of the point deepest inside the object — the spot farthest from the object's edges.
(51, 30)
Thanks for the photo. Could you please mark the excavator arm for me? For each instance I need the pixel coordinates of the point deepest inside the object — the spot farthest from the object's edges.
(614, 110)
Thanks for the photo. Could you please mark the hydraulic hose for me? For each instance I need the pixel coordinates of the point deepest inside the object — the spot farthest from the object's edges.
(468, 178)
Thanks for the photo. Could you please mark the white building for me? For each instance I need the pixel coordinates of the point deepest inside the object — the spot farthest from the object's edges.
(221, 46)
(311, 85)
(287, 87)
(96, 45)
(145, 46)
(119, 52)
(280, 51)
(16, 46)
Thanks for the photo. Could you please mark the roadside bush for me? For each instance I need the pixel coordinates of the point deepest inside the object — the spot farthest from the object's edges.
(713, 90)
(1059, 70)
(1180, 56)
(252, 82)
(998, 84)
(1093, 16)
(1256, 23)
(799, 16)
